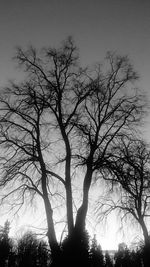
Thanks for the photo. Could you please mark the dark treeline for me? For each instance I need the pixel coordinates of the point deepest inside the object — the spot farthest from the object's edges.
(30, 251)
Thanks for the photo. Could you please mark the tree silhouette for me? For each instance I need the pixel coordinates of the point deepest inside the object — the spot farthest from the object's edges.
(130, 171)
(96, 255)
(5, 244)
(31, 251)
(62, 118)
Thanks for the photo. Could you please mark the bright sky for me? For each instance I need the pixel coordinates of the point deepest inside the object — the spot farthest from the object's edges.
(96, 26)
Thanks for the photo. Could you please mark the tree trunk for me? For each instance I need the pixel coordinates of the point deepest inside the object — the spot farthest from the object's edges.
(51, 231)
(52, 240)
(49, 215)
(48, 209)
(77, 243)
(145, 231)
(146, 250)
(82, 211)
(69, 207)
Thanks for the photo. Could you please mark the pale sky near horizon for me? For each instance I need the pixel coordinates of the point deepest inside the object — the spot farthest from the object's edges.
(97, 26)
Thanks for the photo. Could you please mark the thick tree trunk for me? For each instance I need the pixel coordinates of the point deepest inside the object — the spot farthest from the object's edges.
(145, 231)
(69, 207)
(77, 243)
(68, 187)
(82, 211)
(52, 240)
(48, 209)
(49, 215)
(146, 251)
(50, 224)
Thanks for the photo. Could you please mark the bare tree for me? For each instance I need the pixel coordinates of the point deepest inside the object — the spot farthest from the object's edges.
(129, 171)
(36, 134)
(112, 109)
(60, 118)
(23, 139)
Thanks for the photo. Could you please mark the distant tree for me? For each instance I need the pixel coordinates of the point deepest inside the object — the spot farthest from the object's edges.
(62, 117)
(122, 257)
(129, 171)
(96, 254)
(5, 244)
(126, 258)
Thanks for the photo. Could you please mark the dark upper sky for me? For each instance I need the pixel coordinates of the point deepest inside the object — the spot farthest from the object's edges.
(96, 26)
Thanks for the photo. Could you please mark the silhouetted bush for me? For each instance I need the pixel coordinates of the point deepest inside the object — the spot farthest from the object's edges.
(31, 252)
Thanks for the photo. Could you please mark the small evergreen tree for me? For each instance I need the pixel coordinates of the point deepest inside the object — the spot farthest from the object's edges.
(5, 244)
(96, 255)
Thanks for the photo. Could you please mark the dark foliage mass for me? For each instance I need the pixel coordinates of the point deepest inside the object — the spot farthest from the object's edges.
(29, 251)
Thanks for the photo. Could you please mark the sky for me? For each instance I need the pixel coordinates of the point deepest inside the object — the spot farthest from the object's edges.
(97, 26)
